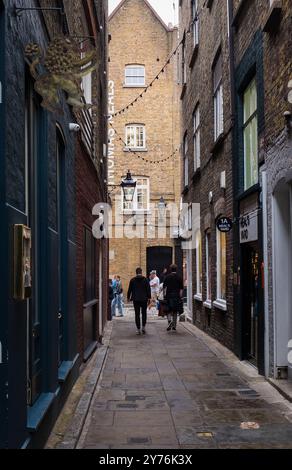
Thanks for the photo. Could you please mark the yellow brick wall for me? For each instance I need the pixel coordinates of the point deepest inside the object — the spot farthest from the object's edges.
(138, 37)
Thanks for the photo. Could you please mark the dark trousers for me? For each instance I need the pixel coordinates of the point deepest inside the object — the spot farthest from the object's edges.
(140, 306)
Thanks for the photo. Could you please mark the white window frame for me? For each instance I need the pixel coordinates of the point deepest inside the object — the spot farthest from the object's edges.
(199, 267)
(185, 160)
(129, 207)
(218, 98)
(86, 83)
(197, 138)
(195, 20)
(248, 122)
(138, 83)
(184, 63)
(208, 301)
(220, 302)
(135, 142)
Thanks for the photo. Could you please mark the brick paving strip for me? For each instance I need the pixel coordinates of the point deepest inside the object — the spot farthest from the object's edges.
(170, 390)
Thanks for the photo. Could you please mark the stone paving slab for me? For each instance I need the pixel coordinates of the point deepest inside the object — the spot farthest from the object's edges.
(175, 390)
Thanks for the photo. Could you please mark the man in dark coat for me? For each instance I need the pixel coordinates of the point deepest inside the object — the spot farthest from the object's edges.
(173, 292)
(140, 293)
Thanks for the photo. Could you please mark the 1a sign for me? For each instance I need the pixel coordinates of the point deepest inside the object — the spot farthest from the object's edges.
(224, 224)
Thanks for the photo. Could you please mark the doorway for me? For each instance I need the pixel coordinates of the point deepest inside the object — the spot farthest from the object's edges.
(250, 304)
(158, 258)
(61, 222)
(282, 276)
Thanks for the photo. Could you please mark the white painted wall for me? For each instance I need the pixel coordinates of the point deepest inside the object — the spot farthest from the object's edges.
(282, 272)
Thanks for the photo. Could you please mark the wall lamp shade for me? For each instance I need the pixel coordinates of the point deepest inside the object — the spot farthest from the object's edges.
(129, 186)
(161, 208)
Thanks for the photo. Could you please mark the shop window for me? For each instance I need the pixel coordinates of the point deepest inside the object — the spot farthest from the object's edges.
(199, 271)
(208, 269)
(221, 270)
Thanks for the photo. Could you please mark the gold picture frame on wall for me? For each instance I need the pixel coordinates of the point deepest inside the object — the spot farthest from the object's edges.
(22, 281)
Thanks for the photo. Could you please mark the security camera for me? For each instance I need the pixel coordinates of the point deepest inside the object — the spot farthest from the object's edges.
(73, 127)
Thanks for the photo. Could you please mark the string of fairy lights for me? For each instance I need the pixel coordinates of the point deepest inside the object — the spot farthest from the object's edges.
(153, 162)
(161, 71)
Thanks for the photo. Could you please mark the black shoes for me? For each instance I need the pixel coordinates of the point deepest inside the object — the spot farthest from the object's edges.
(143, 331)
(170, 326)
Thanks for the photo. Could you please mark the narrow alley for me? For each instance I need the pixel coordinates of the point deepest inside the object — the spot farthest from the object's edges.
(174, 390)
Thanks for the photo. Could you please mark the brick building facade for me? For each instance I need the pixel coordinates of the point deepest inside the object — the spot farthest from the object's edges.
(48, 176)
(140, 45)
(246, 47)
(207, 163)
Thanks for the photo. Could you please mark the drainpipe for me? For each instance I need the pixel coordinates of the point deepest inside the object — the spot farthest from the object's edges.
(236, 260)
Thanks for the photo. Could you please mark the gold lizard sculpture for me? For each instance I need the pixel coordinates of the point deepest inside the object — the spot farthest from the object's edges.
(65, 68)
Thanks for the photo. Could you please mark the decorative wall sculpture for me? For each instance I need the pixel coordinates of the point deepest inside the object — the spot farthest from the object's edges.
(61, 67)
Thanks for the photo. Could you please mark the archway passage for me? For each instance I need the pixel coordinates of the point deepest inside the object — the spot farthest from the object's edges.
(282, 275)
(158, 258)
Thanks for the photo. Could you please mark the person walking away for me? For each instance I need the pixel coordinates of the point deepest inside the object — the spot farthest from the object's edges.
(173, 291)
(140, 293)
(154, 285)
(116, 303)
(163, 275)
(110, 295)
(120, 300)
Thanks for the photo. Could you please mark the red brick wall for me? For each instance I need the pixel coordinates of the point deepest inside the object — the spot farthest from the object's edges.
(88, 194)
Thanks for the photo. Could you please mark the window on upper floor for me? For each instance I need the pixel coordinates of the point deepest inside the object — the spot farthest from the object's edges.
(135, 136)
(250, 135)
(185, 160)
(141, 200)
(195, 20)
(184, 63)
(218, 97)
(135, 75)
(86, 82)
(196, 138)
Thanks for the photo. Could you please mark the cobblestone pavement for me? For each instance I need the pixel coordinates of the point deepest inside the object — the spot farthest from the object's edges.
(172, 390)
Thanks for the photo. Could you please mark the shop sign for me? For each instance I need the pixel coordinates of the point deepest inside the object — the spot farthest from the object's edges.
(224, 224)
(248, 227)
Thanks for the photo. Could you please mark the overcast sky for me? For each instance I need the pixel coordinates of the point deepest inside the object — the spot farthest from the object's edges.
(163, 7)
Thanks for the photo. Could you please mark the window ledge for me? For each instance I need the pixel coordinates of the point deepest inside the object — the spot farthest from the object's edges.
(273, 17)
(183, 91)
(218, 143)
(134, 86)
(65, 369)
(198, 297)
(135, 149)
(220, 304)
(136, 212)
(194, 56)
(37, 412)
(208, 304)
